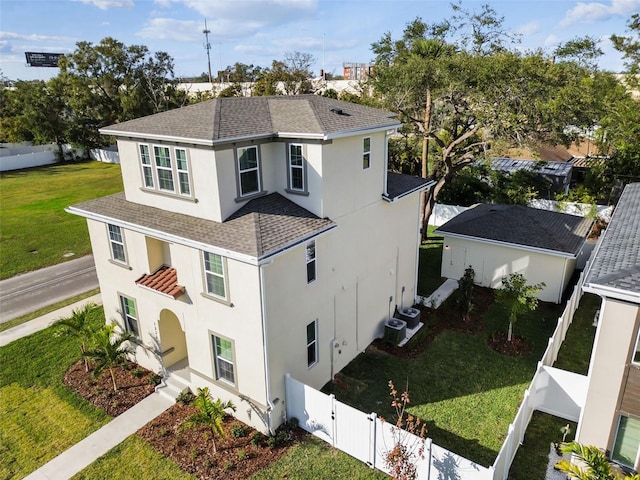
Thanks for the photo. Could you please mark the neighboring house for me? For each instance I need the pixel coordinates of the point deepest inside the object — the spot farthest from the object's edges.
(610, 418)
(558, 174)
(497, 240)
(255, 237)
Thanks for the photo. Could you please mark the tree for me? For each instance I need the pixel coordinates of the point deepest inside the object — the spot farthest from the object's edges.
(210, 413)
(517, 298)
(80, 326)
(292, 75)
(592, 464)
(408, 438)
(583, 50)
(460, 95)
(464, 294)
(109, 350)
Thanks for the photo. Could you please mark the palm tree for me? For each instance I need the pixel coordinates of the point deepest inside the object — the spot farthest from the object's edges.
(592, 464)
(210, 413)
(79, 325)
(110, 349)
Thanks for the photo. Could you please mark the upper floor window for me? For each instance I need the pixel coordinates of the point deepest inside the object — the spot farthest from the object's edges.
(296, 168)
(248, 170)
(164, 169)
(311, 261)
(183, 171)
(214, 274)
(366, 152)
(130, 315)
(147, 170)
(312, 343)
(116, 241)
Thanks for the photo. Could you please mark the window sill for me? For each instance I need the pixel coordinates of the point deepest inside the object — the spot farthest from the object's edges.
(251, 196)
(219, 383)
(169, 195)
(121, 265)
(217, 299)
(303, 193)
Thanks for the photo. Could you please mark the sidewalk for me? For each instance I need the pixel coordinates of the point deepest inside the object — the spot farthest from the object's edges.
(44, 321)
(85, 452)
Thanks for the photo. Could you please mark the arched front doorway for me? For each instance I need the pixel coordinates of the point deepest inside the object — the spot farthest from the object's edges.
(173, 344)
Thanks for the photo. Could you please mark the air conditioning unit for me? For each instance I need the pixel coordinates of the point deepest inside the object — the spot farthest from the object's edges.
(409, 315)
(394, 331)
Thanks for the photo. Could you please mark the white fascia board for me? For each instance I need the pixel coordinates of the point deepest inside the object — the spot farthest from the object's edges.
(267, 259)
(360, 131)
(149, 136)
(165, 236)
(612, 292)
(507, 244)
(417, 189)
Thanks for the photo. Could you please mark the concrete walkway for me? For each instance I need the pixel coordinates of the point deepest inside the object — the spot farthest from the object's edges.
(443, 292)
(44, 321)
(85, 452)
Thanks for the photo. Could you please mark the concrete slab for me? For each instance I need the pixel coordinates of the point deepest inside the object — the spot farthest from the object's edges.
(443, 292)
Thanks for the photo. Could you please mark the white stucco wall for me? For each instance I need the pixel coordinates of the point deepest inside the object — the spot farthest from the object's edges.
(612, 351)
(492, 262)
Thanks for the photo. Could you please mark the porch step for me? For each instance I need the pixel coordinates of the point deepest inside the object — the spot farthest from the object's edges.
(171, 386)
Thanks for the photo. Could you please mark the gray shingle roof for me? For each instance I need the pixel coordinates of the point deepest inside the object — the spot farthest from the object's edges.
(523, 226)
(225, 119)
(617, 260)
(262, 227)
(399, 185)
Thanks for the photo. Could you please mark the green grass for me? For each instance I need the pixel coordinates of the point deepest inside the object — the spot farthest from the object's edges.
(133, 458)
(313, 458)
(430, 264)
(575, 352)
(48, 309)
(532, 457)
(35, 231)
(467, 393)
(39, 416)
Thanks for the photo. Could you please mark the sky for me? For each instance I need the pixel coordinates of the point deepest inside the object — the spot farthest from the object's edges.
(260, 31)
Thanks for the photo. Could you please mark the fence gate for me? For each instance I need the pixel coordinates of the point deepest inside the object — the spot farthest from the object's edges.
(355, 432)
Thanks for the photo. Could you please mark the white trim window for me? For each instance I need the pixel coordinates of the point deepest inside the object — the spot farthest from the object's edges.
(214, 275)
(116, 241)
(635, 359)
(147, 169)
(296, 167)
(182, 167)
(366, 152)
(164, 169)
(312, 343)
(248, 171)
(130, 315)
(626, 446)
(310, 257)
(224, 360)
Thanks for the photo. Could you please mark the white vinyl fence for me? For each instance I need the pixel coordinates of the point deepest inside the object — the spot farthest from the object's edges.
(367, 438)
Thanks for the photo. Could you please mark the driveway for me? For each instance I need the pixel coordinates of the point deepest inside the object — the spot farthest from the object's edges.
(31, 291)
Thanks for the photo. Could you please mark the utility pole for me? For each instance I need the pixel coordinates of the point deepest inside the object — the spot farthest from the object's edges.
(207, 47)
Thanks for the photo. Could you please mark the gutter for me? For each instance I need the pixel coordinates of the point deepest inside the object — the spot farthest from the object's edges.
(612, 292)
(413, 190)
(265, 349)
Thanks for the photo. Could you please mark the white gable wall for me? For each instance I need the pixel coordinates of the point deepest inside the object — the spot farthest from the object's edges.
(492, 262)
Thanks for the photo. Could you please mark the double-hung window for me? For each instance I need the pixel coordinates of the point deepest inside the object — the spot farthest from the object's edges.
(310, 253)
(248, 171)
(366, 152)
(183, 171)
(296, 168)
(164, 169)
(214, 275)
(147, 169)
(312, 343)
(116, 240)
(129, 315)
(224, 361)
(627, 442)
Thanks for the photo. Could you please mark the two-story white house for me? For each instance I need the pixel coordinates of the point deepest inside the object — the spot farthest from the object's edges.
(254, 237)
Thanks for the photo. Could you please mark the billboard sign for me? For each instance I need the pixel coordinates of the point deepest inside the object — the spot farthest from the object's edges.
(35, 59)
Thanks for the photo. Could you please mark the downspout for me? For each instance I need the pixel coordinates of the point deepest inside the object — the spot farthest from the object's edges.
(419, 238)
(386, 164)
(564, 274)
(265, 347)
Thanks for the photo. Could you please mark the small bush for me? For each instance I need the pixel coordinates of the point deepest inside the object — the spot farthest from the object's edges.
(154, 379)
(229, 466)
(138, 372)
(242, 454)
(257, 439)
(293, 423)
(185, 398)
(238, 431)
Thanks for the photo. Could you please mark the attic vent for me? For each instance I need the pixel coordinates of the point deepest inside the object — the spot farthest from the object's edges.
(339, 111)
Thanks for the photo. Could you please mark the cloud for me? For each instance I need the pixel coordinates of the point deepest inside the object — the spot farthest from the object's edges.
(313, 43)
(590, 12)
(192, 30)
(528, 28)
(34, 37)
(551, 41)
(107, 4)
(5, 46)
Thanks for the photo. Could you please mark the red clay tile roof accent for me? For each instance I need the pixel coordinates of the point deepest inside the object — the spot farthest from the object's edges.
(164, 280)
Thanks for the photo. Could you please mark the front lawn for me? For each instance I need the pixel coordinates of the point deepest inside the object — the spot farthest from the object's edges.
(35, 231)
(39, 416)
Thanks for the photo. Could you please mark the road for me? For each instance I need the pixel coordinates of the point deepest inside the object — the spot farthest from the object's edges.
(31, 291)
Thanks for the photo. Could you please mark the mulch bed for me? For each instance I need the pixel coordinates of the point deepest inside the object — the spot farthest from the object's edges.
(517, 347)
(192, 449)
(134, 383)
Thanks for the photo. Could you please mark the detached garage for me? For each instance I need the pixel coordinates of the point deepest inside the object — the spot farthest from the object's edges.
(497, 240)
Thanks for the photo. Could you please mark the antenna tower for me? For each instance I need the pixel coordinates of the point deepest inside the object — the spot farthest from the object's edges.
(207, 47)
